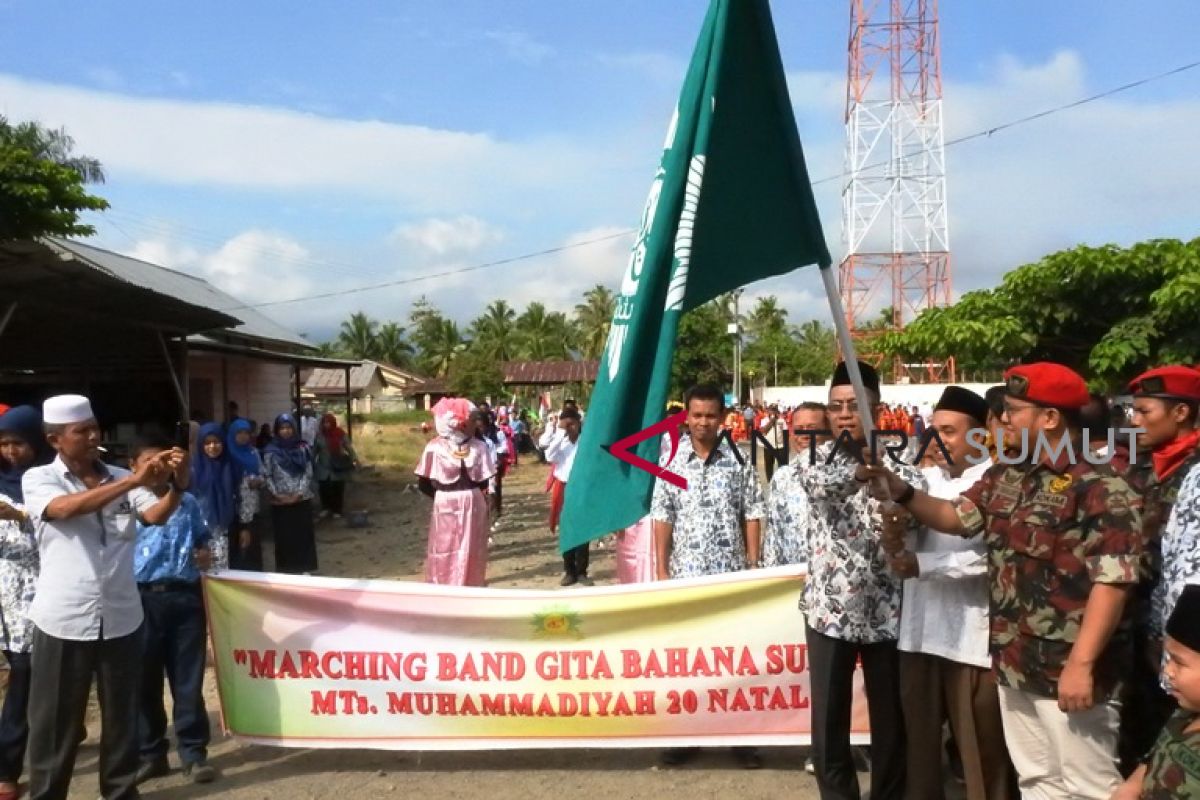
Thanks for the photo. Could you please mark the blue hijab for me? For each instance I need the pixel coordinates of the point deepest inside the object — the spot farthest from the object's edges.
(291, 453)
(213, 479)
(245, 457)
(24, 422)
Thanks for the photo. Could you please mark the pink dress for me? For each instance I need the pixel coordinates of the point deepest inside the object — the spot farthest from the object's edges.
(457, 550)
(635, 553)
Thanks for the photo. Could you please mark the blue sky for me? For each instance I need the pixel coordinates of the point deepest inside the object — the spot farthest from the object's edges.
(283, 149)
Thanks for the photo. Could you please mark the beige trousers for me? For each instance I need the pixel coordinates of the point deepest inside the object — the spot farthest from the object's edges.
(1061, 756)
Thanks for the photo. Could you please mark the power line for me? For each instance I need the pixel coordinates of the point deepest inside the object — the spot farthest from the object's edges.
(1038, 115)
(987, 132)
(419, 278)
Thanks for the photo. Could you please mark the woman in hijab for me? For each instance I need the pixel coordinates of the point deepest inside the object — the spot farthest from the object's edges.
(454, 470)
(213, 484)
(246, 552)
(288, 473)
(22, 445)
(334, 461)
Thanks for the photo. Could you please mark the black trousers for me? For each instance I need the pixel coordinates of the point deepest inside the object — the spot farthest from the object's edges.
(174, 646)
(14, 721)
(575, 560)
(831, 672)
(250, 558)
(1145, 706)
(333, 495)
(295, 539)
(62, 677)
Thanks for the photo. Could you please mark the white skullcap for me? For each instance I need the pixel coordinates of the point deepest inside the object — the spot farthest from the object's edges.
(65, 409)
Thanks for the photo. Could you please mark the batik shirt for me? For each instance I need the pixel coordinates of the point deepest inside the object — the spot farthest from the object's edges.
(835, 526)
(784, 542)
(1173, 772)
(707, 516)
(1053, 530)
(1180, 548)
(18, 578)
(1158, 498)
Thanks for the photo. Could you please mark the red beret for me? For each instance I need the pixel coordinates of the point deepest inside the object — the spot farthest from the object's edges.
(1047, 384)
(1181, 382)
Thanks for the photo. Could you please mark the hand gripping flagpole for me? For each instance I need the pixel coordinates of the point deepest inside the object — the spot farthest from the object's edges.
(860, 391)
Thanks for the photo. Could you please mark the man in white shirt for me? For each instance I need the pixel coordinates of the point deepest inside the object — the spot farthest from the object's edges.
(945, 664)
(86, 610)
(308, 424)
(559, 446)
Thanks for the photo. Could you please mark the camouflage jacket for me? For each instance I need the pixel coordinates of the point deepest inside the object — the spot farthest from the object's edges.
(1158, 498)
(1173, 771)
(1053, 530)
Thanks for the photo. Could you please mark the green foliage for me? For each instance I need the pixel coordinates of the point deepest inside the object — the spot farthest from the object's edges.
(592, 319)
(1108, 312)
(42, 184)
(476, 374)
(703, 349)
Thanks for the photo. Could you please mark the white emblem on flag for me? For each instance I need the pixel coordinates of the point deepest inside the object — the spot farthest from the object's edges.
(683, 236)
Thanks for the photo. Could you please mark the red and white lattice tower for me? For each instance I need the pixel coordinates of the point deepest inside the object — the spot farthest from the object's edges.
(894, 193)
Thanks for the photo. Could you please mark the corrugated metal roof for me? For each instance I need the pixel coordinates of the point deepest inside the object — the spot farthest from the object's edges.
(333, 381)
(547, 373)
(188, 288)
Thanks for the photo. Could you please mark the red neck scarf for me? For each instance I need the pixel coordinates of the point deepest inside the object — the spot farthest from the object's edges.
(1171, 455)
(334, 435)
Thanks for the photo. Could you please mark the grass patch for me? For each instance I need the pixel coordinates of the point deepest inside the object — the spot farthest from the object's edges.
(415, 417)
(394, 447)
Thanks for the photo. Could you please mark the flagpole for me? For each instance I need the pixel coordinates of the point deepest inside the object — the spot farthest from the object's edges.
(865, 407)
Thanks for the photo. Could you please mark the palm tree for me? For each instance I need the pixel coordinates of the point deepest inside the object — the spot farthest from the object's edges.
(494, 332)
(52, 145)
(542, 335)
(767, 318)
(444, 345)
(358, 336)
(818, 350)
(592, 319)
(391, 347)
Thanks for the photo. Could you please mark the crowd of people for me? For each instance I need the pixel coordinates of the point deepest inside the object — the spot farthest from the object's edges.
(1031, 616)
(100, 576)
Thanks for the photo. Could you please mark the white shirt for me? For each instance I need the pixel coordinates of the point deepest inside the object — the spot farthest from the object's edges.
(560, 451)
(86, 589)
(945, 610)
(308, 430)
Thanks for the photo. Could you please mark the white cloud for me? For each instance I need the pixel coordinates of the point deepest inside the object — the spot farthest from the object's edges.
(243, 147)
(105, 77)
(441, 237)
(520, 46)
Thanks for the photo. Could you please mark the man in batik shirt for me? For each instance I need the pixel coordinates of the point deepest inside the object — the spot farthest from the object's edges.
(713, 526)
(851, 600)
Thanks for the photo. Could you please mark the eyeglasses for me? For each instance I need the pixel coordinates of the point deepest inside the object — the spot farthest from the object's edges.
(849, 405)
(1010, 410)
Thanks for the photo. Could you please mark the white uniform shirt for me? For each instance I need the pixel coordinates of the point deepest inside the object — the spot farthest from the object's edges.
(560, 451)
(945, 611)
(86, 589)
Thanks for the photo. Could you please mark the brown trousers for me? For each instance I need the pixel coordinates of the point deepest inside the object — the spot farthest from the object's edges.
(933, 690)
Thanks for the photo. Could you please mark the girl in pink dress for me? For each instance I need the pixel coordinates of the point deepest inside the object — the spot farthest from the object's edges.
(454, 471)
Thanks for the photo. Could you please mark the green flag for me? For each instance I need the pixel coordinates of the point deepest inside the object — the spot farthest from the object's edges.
(730, 204)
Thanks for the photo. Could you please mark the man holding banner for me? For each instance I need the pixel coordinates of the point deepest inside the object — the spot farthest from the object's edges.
(713, 526)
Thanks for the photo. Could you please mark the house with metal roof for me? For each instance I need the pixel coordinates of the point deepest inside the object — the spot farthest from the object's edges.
(147, 343)
(373, 386)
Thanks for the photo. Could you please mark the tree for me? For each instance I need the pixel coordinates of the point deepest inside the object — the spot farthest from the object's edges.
(439, 352)
(703, 349)
(476, 375)
(543, 335)
(358, 336)
(766, 319)
(42, 183)
(817, 346)
(494, 332)
(592, 320)
(1108, 312)
(391, 346)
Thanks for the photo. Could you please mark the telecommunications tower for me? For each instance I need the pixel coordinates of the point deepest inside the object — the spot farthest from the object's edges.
(894, 192)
